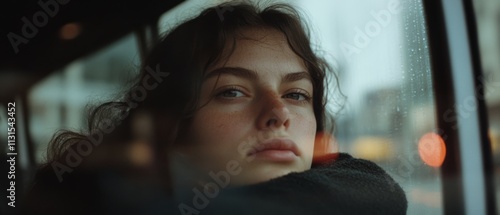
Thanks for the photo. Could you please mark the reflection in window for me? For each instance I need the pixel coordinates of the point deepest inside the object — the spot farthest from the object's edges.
(379, 50)
(60, 100)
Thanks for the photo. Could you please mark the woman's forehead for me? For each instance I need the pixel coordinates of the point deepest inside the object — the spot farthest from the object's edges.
(262, 34)
(255, 48)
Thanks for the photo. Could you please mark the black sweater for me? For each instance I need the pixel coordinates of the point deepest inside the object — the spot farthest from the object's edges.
(339, 185)
(344, 185)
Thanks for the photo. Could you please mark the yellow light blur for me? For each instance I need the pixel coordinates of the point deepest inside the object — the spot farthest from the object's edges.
(373, 148)
(494, 140)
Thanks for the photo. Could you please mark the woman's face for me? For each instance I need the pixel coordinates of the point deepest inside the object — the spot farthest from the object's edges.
(257, 122)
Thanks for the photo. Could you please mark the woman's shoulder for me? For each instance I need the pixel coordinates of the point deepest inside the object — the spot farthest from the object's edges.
(339, 184)
(358, 186)
(343, 164)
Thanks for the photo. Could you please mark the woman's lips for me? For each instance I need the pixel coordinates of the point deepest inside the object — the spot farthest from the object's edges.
(283, 150)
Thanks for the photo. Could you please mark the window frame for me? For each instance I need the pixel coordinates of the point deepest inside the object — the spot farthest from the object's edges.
(457, 73)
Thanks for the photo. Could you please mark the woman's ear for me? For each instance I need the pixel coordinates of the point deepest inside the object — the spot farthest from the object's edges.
(325, 148)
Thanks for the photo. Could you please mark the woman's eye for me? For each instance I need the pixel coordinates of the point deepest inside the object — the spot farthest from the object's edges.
(231, 93)
(297, 96)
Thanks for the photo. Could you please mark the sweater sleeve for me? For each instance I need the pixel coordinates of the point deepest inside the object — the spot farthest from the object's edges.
(344, 185)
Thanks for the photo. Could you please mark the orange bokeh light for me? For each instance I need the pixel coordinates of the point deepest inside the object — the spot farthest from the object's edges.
(432, 149)
(325, 148)
(70, 31)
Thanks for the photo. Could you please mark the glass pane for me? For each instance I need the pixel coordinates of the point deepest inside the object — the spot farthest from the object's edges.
(487, 17)
(60, 100)
(380, 52)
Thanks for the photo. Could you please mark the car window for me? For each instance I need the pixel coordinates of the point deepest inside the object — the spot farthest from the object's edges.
(384, 107)
(380, 52)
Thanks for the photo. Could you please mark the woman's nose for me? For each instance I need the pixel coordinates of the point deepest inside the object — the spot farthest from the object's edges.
(274, 113)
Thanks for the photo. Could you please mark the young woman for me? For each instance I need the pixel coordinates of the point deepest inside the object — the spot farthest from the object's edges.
(232, 111)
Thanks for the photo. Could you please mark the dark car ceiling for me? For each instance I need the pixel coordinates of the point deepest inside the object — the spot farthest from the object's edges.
(102, 22)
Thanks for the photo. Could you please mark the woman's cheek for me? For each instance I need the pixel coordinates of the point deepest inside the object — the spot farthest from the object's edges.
(220, 126)
(306, 128)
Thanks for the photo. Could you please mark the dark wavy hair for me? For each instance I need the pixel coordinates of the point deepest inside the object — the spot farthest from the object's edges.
(168, 86)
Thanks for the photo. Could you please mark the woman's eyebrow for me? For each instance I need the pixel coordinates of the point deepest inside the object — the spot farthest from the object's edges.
(296, 76)
(236, 71)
